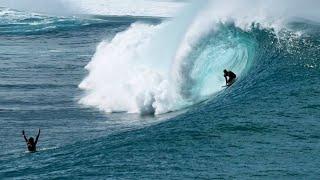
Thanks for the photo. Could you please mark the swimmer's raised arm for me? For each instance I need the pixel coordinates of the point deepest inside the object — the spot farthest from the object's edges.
(37, 137)
(25, 138)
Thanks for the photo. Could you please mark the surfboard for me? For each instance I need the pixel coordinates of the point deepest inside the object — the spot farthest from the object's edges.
(230, 84)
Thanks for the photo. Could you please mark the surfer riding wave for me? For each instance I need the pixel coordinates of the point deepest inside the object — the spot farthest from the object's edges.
(230, 77)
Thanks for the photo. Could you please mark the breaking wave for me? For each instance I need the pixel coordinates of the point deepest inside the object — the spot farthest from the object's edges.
(168, 66)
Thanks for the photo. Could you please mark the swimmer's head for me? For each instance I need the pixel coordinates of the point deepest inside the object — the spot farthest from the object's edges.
(31, 140)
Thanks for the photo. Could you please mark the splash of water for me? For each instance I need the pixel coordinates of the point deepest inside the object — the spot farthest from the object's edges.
(142, 57)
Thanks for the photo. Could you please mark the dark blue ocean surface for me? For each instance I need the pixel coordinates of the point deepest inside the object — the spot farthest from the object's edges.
(265, 126)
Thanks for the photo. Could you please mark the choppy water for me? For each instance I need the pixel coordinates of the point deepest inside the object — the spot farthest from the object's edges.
(265, 126)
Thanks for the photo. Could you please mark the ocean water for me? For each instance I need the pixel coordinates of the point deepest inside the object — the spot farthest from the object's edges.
(140, 96)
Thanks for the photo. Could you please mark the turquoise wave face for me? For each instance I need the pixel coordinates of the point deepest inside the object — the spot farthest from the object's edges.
(228, 48)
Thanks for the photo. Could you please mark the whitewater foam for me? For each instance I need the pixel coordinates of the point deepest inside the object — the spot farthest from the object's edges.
(114, 82)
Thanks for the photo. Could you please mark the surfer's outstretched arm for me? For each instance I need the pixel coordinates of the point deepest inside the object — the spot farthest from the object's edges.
(24, 136)
(37, 137)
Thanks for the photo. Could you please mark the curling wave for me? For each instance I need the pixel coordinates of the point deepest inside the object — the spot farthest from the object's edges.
(161, 68)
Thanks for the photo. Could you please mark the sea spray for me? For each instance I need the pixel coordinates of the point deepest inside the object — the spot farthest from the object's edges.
(132, 72)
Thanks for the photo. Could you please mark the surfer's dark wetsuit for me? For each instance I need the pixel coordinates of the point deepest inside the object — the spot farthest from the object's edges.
(31, 143)
(232, 76)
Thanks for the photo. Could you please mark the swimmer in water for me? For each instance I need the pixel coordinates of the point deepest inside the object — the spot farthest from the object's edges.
(31, 144)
